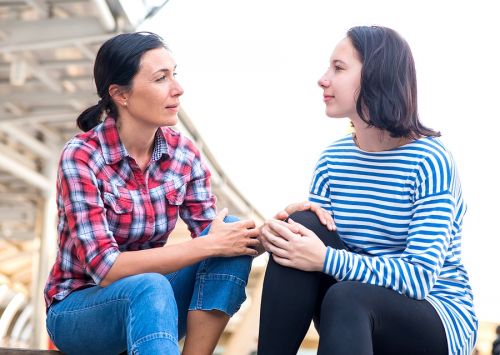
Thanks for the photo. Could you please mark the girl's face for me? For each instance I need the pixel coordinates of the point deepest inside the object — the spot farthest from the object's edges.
(341, 81)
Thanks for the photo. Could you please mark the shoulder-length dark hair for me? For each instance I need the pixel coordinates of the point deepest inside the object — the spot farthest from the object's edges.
(117, 62)
(388, 93)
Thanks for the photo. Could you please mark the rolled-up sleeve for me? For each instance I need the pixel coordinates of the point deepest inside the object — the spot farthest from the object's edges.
(199, 207)
(96, 248)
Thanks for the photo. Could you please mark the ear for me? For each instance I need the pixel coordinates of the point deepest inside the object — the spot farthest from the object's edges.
(117, 95)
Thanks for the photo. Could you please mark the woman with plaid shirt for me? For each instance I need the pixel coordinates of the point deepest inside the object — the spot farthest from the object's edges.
(121, 185)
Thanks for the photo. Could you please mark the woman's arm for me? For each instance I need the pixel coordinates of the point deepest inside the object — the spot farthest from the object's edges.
(413, 273)
(96, 248)
(224, 239)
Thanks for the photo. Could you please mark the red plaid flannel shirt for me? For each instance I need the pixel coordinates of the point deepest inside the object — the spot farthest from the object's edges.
(107, 205)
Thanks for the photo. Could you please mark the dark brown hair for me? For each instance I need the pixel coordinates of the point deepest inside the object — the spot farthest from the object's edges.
(388, 93)
(117, 62)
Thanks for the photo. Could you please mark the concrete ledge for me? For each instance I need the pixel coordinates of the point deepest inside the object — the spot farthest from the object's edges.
(12, 351)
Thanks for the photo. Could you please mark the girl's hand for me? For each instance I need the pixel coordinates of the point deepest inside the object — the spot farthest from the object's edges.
(233, 239)
(324, 216)
(293, 245)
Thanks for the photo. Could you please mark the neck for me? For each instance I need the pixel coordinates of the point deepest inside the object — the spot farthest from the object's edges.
(137, 139)
(372, 139)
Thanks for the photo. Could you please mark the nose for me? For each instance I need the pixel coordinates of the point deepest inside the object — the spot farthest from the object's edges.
(177, 89)
(323, 82)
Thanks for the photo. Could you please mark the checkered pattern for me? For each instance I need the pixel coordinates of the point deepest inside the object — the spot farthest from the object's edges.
(107, 205)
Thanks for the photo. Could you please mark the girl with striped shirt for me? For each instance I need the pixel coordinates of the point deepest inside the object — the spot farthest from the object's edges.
(385, 275)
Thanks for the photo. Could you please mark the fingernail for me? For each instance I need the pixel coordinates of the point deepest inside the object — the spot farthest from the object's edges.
(291, 220)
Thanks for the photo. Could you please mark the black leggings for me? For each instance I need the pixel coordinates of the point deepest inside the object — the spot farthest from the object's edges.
(351, 317)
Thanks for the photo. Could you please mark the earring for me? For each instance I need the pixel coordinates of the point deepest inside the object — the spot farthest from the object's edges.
(124, 103)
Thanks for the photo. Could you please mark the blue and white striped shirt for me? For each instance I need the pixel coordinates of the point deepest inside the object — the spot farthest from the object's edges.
(400, 214)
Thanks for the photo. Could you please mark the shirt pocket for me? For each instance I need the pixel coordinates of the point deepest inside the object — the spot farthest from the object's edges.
(119, 200)
(175, 192)
(119, 207)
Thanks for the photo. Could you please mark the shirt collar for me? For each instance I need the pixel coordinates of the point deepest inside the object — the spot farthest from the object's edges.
(113, 150)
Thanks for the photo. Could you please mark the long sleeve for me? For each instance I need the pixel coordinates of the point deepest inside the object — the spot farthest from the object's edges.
(85, 214)
(414, 272)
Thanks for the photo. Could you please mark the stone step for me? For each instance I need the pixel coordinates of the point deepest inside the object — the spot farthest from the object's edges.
(12, 351)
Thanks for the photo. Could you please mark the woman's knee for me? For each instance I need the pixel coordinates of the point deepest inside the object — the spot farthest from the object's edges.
(153, 290)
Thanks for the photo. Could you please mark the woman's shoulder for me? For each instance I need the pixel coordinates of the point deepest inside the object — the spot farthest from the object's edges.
(343, 143)
(431, 150)
(179, 142)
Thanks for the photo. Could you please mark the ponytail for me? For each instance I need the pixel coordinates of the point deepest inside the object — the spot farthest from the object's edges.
(89, 118)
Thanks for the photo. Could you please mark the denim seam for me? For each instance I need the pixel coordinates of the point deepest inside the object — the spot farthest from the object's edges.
(222, 277)
(149, 337)
(90, 307)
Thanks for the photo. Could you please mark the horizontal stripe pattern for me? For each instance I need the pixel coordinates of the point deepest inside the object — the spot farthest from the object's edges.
(400, 213)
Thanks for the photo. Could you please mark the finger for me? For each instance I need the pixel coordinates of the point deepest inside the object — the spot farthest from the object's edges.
(278, 251)
(300, 206)
(282, 261)
(251, 252)
(221, 215)
(252, 233)
(281, 230)
(279, 242)
(251, 242)
(246, 223)
(301, 229)
(266, 230)
(320, 213)
(281, 215)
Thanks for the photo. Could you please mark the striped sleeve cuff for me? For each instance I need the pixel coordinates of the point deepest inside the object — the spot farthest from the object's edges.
(336, 263)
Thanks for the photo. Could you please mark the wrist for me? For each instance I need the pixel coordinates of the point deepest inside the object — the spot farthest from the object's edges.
(322, 259)
(207, 247)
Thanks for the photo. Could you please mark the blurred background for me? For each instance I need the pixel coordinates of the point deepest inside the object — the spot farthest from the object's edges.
(251, 103)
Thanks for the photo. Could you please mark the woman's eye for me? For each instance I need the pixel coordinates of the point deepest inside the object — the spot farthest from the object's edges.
(163, 77)
(337, 68)
(174, 74)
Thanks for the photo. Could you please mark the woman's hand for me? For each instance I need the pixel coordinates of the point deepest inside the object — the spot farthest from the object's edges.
(293, 245)
(324, 216)
(235, 238)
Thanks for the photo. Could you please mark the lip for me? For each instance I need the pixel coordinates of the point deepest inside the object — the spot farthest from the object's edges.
(327, 98)
(174, 108)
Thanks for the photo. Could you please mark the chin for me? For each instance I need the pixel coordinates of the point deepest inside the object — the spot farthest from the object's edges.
(334, 114)
(170, 121)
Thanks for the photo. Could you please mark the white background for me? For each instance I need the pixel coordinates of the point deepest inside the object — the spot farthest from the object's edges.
(249, 70)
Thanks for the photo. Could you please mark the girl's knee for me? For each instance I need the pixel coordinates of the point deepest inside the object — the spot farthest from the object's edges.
(344, 296)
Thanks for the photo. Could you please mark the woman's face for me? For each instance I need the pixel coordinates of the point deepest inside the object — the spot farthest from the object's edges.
(341, 81)
(154, 97)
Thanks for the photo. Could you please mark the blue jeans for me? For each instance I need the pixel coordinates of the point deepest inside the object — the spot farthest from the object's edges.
(146, 313)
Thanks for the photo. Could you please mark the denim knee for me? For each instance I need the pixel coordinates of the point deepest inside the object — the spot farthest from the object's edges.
(153, 289)
(231, 219)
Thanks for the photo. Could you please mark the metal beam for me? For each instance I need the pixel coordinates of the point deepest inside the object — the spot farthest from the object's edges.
(57, 32)
(56, 116)
(46, 98)
(24, 173)
(20, 135)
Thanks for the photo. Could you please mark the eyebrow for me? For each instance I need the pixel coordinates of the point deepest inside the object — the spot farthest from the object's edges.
(165, 70)
(338, 61)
